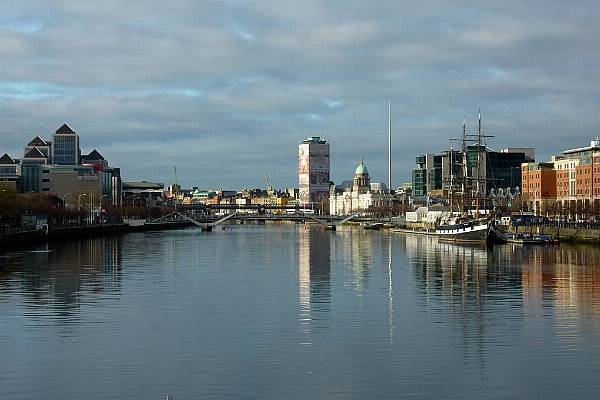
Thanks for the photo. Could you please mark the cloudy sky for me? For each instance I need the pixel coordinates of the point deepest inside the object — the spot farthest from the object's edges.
(225, 89)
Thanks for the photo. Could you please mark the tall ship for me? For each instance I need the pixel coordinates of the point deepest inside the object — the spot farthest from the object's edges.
(468, 219)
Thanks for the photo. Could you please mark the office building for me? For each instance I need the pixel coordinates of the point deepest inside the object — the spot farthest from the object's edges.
(428, 176)
(77, 185)
(43, 146)
(65, 146)
(495, 170)
(313, 170)
(142, 194)
(9, 172)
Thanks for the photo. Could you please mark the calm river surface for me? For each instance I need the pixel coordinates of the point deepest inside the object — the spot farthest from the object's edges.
(285, 312)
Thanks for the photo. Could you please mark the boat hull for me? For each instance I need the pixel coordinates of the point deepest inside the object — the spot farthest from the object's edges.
(467, 233)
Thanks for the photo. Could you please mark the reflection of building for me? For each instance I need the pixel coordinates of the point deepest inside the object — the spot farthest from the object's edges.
(313, 170)
(75, 271)
(362, 196)
(314, 271)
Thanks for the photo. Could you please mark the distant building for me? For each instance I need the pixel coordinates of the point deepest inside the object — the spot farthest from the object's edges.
(568, 185)
(44, 147)
(313, 170)
(361, 197)
(31, 165)
(75, 184)
(94, 159)
(538, 187)
(142, 194)
(428, 176)
(65, 146)
(9, 169)
(497, 170)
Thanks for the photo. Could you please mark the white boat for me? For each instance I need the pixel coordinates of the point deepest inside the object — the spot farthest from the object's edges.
(467, 231)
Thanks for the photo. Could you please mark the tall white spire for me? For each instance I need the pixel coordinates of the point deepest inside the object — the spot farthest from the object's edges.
(389, 145)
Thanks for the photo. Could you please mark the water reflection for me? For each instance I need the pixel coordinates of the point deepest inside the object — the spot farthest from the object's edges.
(56, 278)
(531, 283)
(354, 249)
(314, 264)
(286, 311)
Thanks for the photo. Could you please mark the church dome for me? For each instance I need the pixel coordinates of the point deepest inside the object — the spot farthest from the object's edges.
(361, 169)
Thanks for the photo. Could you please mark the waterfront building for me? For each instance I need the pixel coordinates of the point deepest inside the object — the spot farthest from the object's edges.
(116, 196)
(43, 146)
(576, 179)
(313, 170)
(110, 178)
(75, 184)
(428, 176)
(65, 146)
(9, 171)
(497, 169)
(143, 194)
(539, 186)
(361, 196)
(94, 159)
(31, 166)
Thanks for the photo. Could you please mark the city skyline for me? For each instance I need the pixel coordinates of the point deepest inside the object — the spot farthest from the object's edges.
(226, 90)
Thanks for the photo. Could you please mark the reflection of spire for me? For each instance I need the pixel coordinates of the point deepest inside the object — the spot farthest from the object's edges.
(390, 294)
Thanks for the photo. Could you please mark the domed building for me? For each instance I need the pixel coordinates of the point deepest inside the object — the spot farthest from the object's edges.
(360, 196)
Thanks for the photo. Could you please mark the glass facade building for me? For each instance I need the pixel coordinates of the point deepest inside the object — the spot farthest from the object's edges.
(65, 146)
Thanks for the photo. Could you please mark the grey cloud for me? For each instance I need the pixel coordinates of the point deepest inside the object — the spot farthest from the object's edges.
(225, 89)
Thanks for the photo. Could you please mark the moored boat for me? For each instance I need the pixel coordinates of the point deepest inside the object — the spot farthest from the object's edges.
(467, 231)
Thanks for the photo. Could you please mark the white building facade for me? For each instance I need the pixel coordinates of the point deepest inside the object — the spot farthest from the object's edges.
(360, 197)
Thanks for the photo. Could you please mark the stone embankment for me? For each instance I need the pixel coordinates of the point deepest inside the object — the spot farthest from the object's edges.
(75, 232)
(591, 236)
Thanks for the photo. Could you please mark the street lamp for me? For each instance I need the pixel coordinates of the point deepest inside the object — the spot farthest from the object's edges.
(101, 197)
(64, 197)
(79, 199)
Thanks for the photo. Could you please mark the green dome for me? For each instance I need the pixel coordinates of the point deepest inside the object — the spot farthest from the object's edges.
(361, 169)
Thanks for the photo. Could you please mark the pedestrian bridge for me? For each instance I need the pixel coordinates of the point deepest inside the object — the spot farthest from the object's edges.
(330, 222)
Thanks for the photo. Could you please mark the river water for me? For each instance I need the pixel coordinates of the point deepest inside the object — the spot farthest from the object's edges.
(297, 312)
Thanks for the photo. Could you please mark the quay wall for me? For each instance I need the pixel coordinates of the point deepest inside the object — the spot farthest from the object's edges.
(563, 234)
(75, 232)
